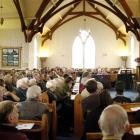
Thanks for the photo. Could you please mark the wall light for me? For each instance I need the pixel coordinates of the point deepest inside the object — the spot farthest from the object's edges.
(43, 54)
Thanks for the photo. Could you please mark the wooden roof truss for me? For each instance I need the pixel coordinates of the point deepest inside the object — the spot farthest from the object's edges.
(38, 23)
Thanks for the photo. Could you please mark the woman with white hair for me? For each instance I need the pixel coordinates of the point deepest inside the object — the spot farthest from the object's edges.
(51, 86)
(32, 108)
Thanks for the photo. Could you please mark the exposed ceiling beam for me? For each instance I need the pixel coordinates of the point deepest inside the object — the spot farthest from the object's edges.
(23, 26)
(48, 35)
(136, 22)
(126, 8)
(54, 11)
(39, 12)
(57, 25)
(47, 15)
(129, 12)
(34, 28)
(37, 27)
(75, 13)
(104, 6)
(117, 11)
(129, 23)
(118, 33)
(38, 23)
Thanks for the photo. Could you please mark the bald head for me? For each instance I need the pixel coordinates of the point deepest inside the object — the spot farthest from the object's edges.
(113, 121)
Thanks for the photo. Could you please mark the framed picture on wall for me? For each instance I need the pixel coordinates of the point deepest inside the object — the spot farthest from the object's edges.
(11, 57)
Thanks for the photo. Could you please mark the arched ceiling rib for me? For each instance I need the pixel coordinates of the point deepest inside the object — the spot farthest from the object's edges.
(109, 12)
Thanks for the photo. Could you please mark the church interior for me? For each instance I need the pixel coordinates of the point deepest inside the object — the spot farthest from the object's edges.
(66, 63)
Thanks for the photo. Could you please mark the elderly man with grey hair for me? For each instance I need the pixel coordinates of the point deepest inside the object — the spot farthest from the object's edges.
(22, 85)
(113, 122)
(8, 121)
(32, 108)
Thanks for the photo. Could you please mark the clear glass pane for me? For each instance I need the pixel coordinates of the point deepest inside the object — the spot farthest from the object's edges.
(77, 54)
(83, 51)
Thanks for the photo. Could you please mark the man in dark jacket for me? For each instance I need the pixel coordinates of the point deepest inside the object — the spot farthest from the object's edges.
(120, 98)
(8, 121)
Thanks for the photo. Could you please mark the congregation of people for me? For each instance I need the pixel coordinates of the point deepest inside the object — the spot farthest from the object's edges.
(21, 98)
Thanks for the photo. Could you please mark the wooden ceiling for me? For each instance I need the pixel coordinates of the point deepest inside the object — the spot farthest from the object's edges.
(46, 16)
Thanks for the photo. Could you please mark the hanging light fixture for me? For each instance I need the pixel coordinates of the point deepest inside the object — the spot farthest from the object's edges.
(84, 33)
(1, 18)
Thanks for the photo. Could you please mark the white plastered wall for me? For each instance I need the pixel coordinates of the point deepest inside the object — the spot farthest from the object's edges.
(107, 47)
(60, 47)
(14, 38)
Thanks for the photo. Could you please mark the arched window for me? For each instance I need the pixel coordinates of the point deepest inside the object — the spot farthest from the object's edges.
(77, 53)
(83, 51)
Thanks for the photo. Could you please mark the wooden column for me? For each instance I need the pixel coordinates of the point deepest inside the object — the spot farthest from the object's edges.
(43, 61)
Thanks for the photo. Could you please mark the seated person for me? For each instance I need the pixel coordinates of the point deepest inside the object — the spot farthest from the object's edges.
(32, 82)
(66, 90)
(85, 76)
(91, 120)
(8, 120)
(8, 82)
(39, 81)
(93, 100)
(85, 93)
(138, 97)
(113, 122)
(93, 116)
(66, 112)
(51, 87)
(21, 89)
(120, 98)
(2, 89)
(5, 94)
(32, 108)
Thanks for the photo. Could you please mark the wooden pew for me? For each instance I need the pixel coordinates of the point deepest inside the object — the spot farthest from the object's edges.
(131, 114)
(98, 135)
(53, 129)
(94, 136)
(40, 131)
(78, 116)
(45, 98)
(52, 110)
(128, 106)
